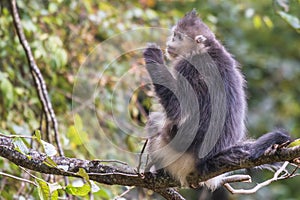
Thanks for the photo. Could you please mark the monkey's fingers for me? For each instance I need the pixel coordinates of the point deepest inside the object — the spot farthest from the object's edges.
(152, 45)
(153, 54)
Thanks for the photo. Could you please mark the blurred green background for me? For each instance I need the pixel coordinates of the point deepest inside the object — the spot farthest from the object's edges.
(262, 35)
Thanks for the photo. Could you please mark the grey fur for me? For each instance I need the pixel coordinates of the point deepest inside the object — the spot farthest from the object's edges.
(204, 102)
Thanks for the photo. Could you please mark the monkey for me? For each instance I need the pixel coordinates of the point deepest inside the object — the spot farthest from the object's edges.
(178, 134)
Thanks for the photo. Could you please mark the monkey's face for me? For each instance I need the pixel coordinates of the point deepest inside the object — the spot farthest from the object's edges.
(180, 44)
(190, 37)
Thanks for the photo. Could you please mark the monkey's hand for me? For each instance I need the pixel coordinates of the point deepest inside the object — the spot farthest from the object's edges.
(153, 54)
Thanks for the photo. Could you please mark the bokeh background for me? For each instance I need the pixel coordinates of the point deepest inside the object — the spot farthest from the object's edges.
(262, 35)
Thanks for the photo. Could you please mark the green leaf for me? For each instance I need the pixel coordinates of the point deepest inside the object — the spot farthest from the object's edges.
(48, 191)
(74, 135)
(54, 195)
(290, 19)
(294, 143)
(43, 190)
(48, 161)
(20, 146)
(257, 21)
(54, 187)
(78, 122)
(37, 133)
(50, 150)
(104, 194)
(83, 174)
(52, 7)
(268, 21)
(79, 191)
(4, 132)
(95, 187)
(7, 92)
(82, 190)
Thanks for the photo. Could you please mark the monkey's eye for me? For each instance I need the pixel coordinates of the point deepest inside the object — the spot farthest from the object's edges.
(179, 36)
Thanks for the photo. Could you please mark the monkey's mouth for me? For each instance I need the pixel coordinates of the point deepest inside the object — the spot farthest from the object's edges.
(171, 52)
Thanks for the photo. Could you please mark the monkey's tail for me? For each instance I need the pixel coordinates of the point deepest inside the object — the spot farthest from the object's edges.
(248, 150)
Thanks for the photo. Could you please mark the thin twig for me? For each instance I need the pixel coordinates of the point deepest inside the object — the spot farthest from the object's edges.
(125, 192)
(237, 178)
(18, 136)
(170, 194)
(258, 186)
(27, 172)
(291, 175)
(140, 157)
(18, 178)
(112, 161)
(293, 172)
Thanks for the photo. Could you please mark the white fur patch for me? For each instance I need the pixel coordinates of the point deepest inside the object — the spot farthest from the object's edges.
(179, 165)
(200, 38)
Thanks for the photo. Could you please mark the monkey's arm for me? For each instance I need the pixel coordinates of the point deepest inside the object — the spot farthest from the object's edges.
(248, 150)
(163, 81)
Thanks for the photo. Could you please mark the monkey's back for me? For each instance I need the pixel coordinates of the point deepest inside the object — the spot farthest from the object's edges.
(232, 82)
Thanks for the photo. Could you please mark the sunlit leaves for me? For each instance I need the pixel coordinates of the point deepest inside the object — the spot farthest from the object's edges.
(259, 21)
(58, 55)
(83, 189)
(78, 191)
(295, 143)
(49, 149)
(268, 21)
(47, 191)
(76, 134)
(43, 190)
(48, 161)
(20, 146)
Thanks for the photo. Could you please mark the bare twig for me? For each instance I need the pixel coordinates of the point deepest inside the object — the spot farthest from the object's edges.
(236, 178)
(111, 161)
(17, 178)
(38, 79)
(170, 194)
(125, 192)
(17, 136)
(258, 186)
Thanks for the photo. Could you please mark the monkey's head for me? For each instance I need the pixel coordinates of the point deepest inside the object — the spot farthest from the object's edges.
(190, 36)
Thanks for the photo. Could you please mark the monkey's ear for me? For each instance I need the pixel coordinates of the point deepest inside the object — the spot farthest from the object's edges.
(200, 38)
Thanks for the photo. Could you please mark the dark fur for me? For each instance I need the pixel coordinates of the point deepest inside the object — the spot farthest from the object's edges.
(233, 133)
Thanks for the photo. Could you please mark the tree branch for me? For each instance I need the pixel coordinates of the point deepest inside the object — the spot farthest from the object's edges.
(120, 174)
